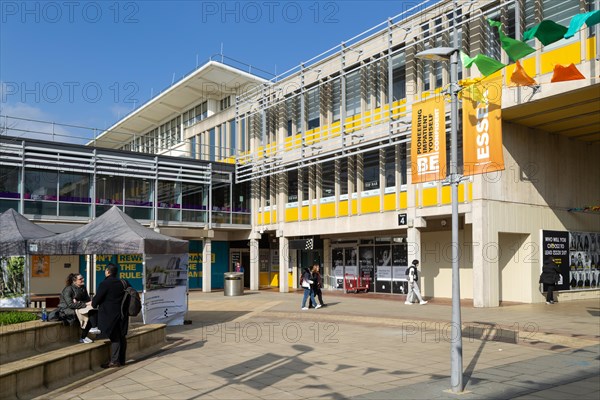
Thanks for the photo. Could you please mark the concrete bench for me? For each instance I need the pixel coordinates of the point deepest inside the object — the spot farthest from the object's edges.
(49, 369)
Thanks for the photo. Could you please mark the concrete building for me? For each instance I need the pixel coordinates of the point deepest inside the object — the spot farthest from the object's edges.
(325, 152)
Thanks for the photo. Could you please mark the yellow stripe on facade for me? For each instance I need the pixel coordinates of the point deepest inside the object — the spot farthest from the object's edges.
(327, 210)
(447, 194)
(343, 208)
(430, 197)
(565, 55)
(304, 213)
(291, 214)
(389, 202)
(369, 205)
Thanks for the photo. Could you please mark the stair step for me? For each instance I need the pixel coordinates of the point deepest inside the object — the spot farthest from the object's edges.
(48, 370)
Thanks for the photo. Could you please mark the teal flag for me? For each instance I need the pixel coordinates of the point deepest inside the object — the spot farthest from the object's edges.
(515, 49)
(589, 18)
(546, 32)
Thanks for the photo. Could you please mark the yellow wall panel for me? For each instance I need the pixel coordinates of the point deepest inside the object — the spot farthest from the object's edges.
(291, 214)
(389, 202)
(274, 216)
(565, 55)
(327, 210)
(403, 200)
(263, 279)
(343, 208)
(313, 211)
(590, 53)
(430, 197)
(304, 213)
(267, 218)
(369, 205)
(259, 218)
(447, 194)
(274, 279)
(354, 206)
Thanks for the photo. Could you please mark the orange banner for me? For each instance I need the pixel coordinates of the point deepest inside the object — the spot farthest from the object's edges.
(482, 127)
(428, 145)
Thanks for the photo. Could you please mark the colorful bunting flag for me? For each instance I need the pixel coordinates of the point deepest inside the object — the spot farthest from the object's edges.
(589, 18)
(562, 74)
(520, 78)
(515, 49)
(546, 32)
(486, 65)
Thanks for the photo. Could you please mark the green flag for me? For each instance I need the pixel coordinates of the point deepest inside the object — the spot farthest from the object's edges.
(589, 18)
(515, 49)
(486, 65)
(546, 31)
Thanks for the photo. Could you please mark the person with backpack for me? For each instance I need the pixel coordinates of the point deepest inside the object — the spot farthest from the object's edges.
(113, 315)
(413, 286)
(550, 277)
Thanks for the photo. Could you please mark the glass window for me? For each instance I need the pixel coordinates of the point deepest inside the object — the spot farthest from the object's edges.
(194, 202)
(336, 99)
(371, 170)
(390, 166)
(402, 150)
(292, 186)
(168, 194)
(211, 144)
(399, 76)
(221, 205)
(343, 176)
(138, 192)
(560, 11)
(353, 93)
(328, 179)
(305, 183)
(9, 182)
(232, 133)
(109, 189)
(74, 187)
(314, 109)
(40, 184)
(241, 197)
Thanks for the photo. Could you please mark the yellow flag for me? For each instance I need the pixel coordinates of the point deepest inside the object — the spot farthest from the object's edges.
(482, 128)
(428, 145)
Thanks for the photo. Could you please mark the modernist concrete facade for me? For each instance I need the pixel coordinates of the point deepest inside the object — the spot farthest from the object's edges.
(326, 150)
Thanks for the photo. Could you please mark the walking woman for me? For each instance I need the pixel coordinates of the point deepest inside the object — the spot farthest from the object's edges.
(317, 284)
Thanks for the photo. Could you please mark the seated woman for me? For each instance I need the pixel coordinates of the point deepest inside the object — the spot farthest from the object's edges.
(74, 301)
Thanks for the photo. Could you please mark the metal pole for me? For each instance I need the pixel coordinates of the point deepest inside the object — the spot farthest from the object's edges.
(456, 376)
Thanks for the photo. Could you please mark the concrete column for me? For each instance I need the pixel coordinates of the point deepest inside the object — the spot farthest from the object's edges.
(284, 263)
(414, 244)
(485, 259)
(206, 265)
(254, 264)
(326, 268)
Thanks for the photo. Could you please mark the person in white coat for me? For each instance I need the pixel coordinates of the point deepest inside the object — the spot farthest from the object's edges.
(413, 285)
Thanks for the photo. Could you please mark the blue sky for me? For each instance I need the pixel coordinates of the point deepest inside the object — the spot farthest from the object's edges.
(89, 63)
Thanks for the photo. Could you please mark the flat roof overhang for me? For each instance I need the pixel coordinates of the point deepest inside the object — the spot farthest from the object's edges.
(213, 80)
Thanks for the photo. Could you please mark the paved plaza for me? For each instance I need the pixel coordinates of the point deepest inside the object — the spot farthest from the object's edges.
(262, 346)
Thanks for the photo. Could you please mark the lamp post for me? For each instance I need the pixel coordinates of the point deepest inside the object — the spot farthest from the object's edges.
(443, 54)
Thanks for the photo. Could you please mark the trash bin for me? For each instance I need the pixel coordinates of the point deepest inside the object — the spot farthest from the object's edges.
(234, 283)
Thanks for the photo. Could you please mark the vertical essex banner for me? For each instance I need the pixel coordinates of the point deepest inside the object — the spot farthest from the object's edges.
(428, 146)
(482, 127)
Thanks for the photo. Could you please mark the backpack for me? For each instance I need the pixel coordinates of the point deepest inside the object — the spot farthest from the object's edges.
(135, 303)
(416, 272)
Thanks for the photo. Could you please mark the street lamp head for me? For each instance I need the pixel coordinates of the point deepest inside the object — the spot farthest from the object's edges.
(436, 54)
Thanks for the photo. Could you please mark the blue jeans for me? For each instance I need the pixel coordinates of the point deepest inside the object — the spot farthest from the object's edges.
(308, 292)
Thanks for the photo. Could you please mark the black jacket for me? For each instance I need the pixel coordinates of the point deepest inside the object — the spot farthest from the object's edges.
(108, 300)
(550, 274)
(66, 305)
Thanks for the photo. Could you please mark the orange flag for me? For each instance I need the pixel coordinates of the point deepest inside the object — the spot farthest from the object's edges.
(562, 74)
(520, 78)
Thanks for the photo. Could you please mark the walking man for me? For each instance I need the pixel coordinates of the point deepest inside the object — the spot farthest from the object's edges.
(413, 285)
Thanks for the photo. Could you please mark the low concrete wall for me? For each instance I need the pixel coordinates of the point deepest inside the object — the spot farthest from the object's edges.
(48, 370)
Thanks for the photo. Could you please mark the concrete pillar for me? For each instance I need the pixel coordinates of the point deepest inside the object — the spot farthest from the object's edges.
(206, 265)
(414, 244)
(254, 264)
(326, 268)
(284, 263)
(485, 259)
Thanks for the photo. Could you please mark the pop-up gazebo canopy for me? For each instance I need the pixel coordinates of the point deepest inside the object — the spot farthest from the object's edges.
(114, 232)
(15, 231)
